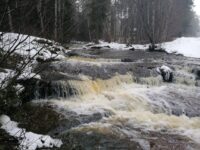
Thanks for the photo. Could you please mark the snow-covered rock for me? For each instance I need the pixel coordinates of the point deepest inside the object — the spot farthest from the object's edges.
(5, 75)
(188, 46)
(27, 140)
(116, 46)
(30, 46)
(31, 49)
(166, 73)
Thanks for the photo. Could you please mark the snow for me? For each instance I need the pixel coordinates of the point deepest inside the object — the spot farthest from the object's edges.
(165, 71)
(28, 73)
(8, 74)
(197, 7)
(117, 46)
(188, 46)
(30, 46)
(164, 68)
(28, 140)
(4, 76)
(19, 88)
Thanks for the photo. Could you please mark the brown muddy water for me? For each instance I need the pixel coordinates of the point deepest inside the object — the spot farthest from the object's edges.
(108, 100)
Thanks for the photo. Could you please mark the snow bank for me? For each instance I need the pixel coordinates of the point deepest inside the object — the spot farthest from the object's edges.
(188, 46)
(30, 46)
(28, 140)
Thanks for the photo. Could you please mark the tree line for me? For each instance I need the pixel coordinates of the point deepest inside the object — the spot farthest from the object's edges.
(127, 21)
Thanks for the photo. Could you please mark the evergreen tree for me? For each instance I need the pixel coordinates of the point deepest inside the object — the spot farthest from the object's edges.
(97, 14)
(129, 21)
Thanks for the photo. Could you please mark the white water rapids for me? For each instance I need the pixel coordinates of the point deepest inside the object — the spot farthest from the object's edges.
(145, 106)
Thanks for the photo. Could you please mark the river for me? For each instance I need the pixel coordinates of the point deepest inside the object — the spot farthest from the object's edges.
(116, 100)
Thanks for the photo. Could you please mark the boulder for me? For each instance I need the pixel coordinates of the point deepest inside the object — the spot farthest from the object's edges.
(126, 60)
(166, 73)
(96, 47)
(197, 73)
(100, 47)
(132, 49)
(197, 83)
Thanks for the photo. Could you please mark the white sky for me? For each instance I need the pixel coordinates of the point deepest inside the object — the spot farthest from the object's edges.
(197, 6)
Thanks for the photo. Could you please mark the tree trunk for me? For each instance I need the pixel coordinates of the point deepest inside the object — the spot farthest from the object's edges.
(56, 21)
(10, 19)
(39, 9)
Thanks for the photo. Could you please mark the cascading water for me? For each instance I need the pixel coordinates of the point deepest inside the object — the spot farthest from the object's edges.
(131, 106)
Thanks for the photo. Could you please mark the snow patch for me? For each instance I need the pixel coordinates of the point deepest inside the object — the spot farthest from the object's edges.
(188, 46)
(28, 73)
(28, 140)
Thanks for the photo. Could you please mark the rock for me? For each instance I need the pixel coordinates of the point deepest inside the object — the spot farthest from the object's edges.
(66, 47)
(40, 119)
(44, 41)
(90, 44)
(157, 49)
(96, 47)
(132, 49)
(41, 60)
(180, 55)
(3, 70)
(197, 83)
(4, 119)
(166, 73)
(100, 47)
(7, 142)
(126, 60)
(152, 47)
(88, 139)
(197, 73)
(72, 53)
(75, 140)
(107, 47)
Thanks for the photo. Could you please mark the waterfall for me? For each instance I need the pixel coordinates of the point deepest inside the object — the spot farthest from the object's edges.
(85, 86)
(126, 103)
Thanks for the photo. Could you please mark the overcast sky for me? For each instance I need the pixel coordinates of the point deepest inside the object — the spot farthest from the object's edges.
(197, 6)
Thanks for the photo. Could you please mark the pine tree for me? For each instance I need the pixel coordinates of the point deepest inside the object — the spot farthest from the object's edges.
(97, 14)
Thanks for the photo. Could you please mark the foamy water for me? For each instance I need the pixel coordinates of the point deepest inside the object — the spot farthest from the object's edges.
(131, 104)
